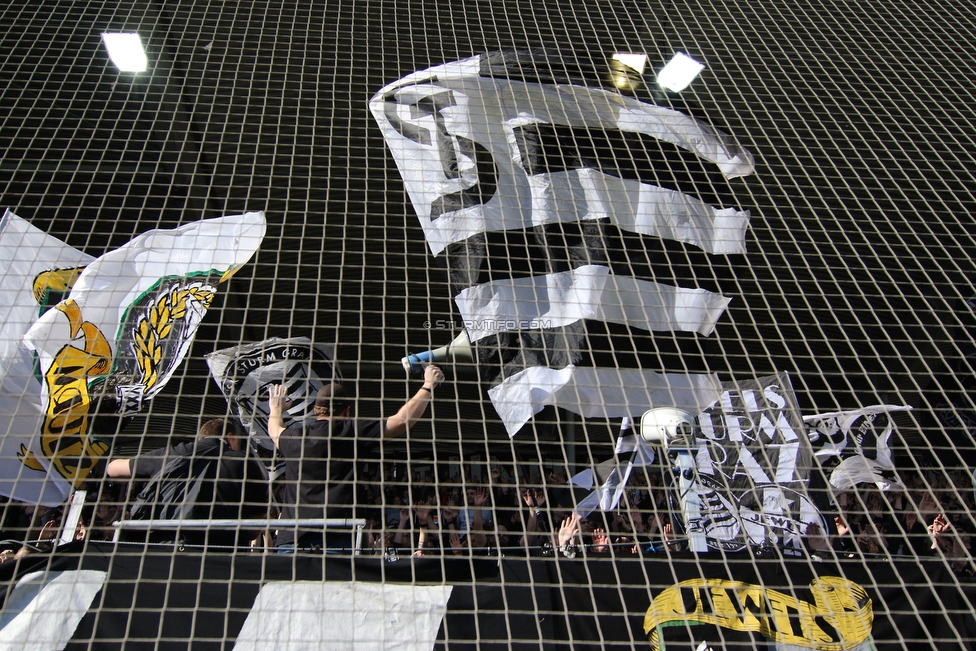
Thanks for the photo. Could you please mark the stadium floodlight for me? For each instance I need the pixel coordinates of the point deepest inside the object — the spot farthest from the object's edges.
(635, 62)
(679, 72)
(626, 70)
(126, 51)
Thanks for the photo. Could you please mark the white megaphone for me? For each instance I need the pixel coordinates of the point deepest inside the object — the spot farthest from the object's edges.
(459, 349)
(667, 427)
(674, 430)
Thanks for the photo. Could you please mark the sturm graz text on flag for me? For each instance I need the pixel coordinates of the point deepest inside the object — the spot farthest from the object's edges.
(246, 373)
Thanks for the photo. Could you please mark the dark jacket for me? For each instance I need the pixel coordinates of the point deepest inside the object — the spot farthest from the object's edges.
(204, 479)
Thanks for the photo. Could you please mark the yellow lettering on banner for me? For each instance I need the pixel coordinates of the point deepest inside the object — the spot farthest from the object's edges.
(64, 432)
(841, 616)
(57, 280)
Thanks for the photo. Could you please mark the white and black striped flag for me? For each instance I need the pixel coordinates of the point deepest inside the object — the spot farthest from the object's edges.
(539, 190)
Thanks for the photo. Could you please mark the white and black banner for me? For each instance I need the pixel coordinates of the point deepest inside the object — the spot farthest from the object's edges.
(602, 393)
(516, 151)
(359, 616)
(43, 610)
(126, 597)
(753, 462)
(246, 373)
(586, 292)
(462, 137)
(860, 438)
(608, 479)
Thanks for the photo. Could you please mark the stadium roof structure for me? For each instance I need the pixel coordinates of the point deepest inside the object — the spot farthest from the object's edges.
(855, 276)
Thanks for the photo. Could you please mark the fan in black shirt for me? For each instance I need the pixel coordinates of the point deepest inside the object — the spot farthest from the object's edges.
(206, 479)
(321, 456)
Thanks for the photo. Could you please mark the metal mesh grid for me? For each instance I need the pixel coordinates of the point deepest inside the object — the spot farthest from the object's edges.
(858, 278)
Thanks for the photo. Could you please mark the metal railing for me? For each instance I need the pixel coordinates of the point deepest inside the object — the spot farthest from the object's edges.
(356, 524)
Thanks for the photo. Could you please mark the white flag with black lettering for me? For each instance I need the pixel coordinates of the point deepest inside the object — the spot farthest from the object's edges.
(246, 373)
(753, 464)
(471, 141)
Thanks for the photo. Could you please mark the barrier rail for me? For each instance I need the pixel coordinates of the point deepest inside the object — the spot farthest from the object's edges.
(253, 523)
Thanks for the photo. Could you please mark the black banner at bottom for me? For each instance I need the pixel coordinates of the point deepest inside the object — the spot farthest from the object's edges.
(131, 597)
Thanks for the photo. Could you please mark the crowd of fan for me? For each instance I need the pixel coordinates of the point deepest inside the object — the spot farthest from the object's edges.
(496, 516)
(932, 517)
(33, 529)
(532, 515)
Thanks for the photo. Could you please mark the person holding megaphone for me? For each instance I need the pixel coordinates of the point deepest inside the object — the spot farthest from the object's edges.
(459, 350)
(321, 455)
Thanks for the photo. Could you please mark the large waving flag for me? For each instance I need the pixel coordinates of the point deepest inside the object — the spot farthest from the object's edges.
(602, 393)
(480, 148)
(586, 292)
(608, 479)
(113, 343)
(36, 271)
(534, 184)
(754, 464)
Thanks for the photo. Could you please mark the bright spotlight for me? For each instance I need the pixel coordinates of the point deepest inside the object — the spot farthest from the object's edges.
(635, 62)
(126, 52)
(626, 70)
(679, 72)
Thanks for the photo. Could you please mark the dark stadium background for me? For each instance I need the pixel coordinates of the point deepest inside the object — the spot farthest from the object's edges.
(861, 241)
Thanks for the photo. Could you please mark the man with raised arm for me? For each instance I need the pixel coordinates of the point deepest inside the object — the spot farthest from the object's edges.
(321, 456)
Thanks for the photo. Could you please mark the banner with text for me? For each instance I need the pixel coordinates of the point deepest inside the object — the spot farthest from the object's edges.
(753, 465)
(123, 597)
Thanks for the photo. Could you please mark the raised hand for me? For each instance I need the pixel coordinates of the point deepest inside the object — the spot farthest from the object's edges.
(433, 376)
(943, 535)
(568, 529)
(842, 528)
(456, 543)
(278, 401)
(601, 544)
(669, 537)
(480, 497)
